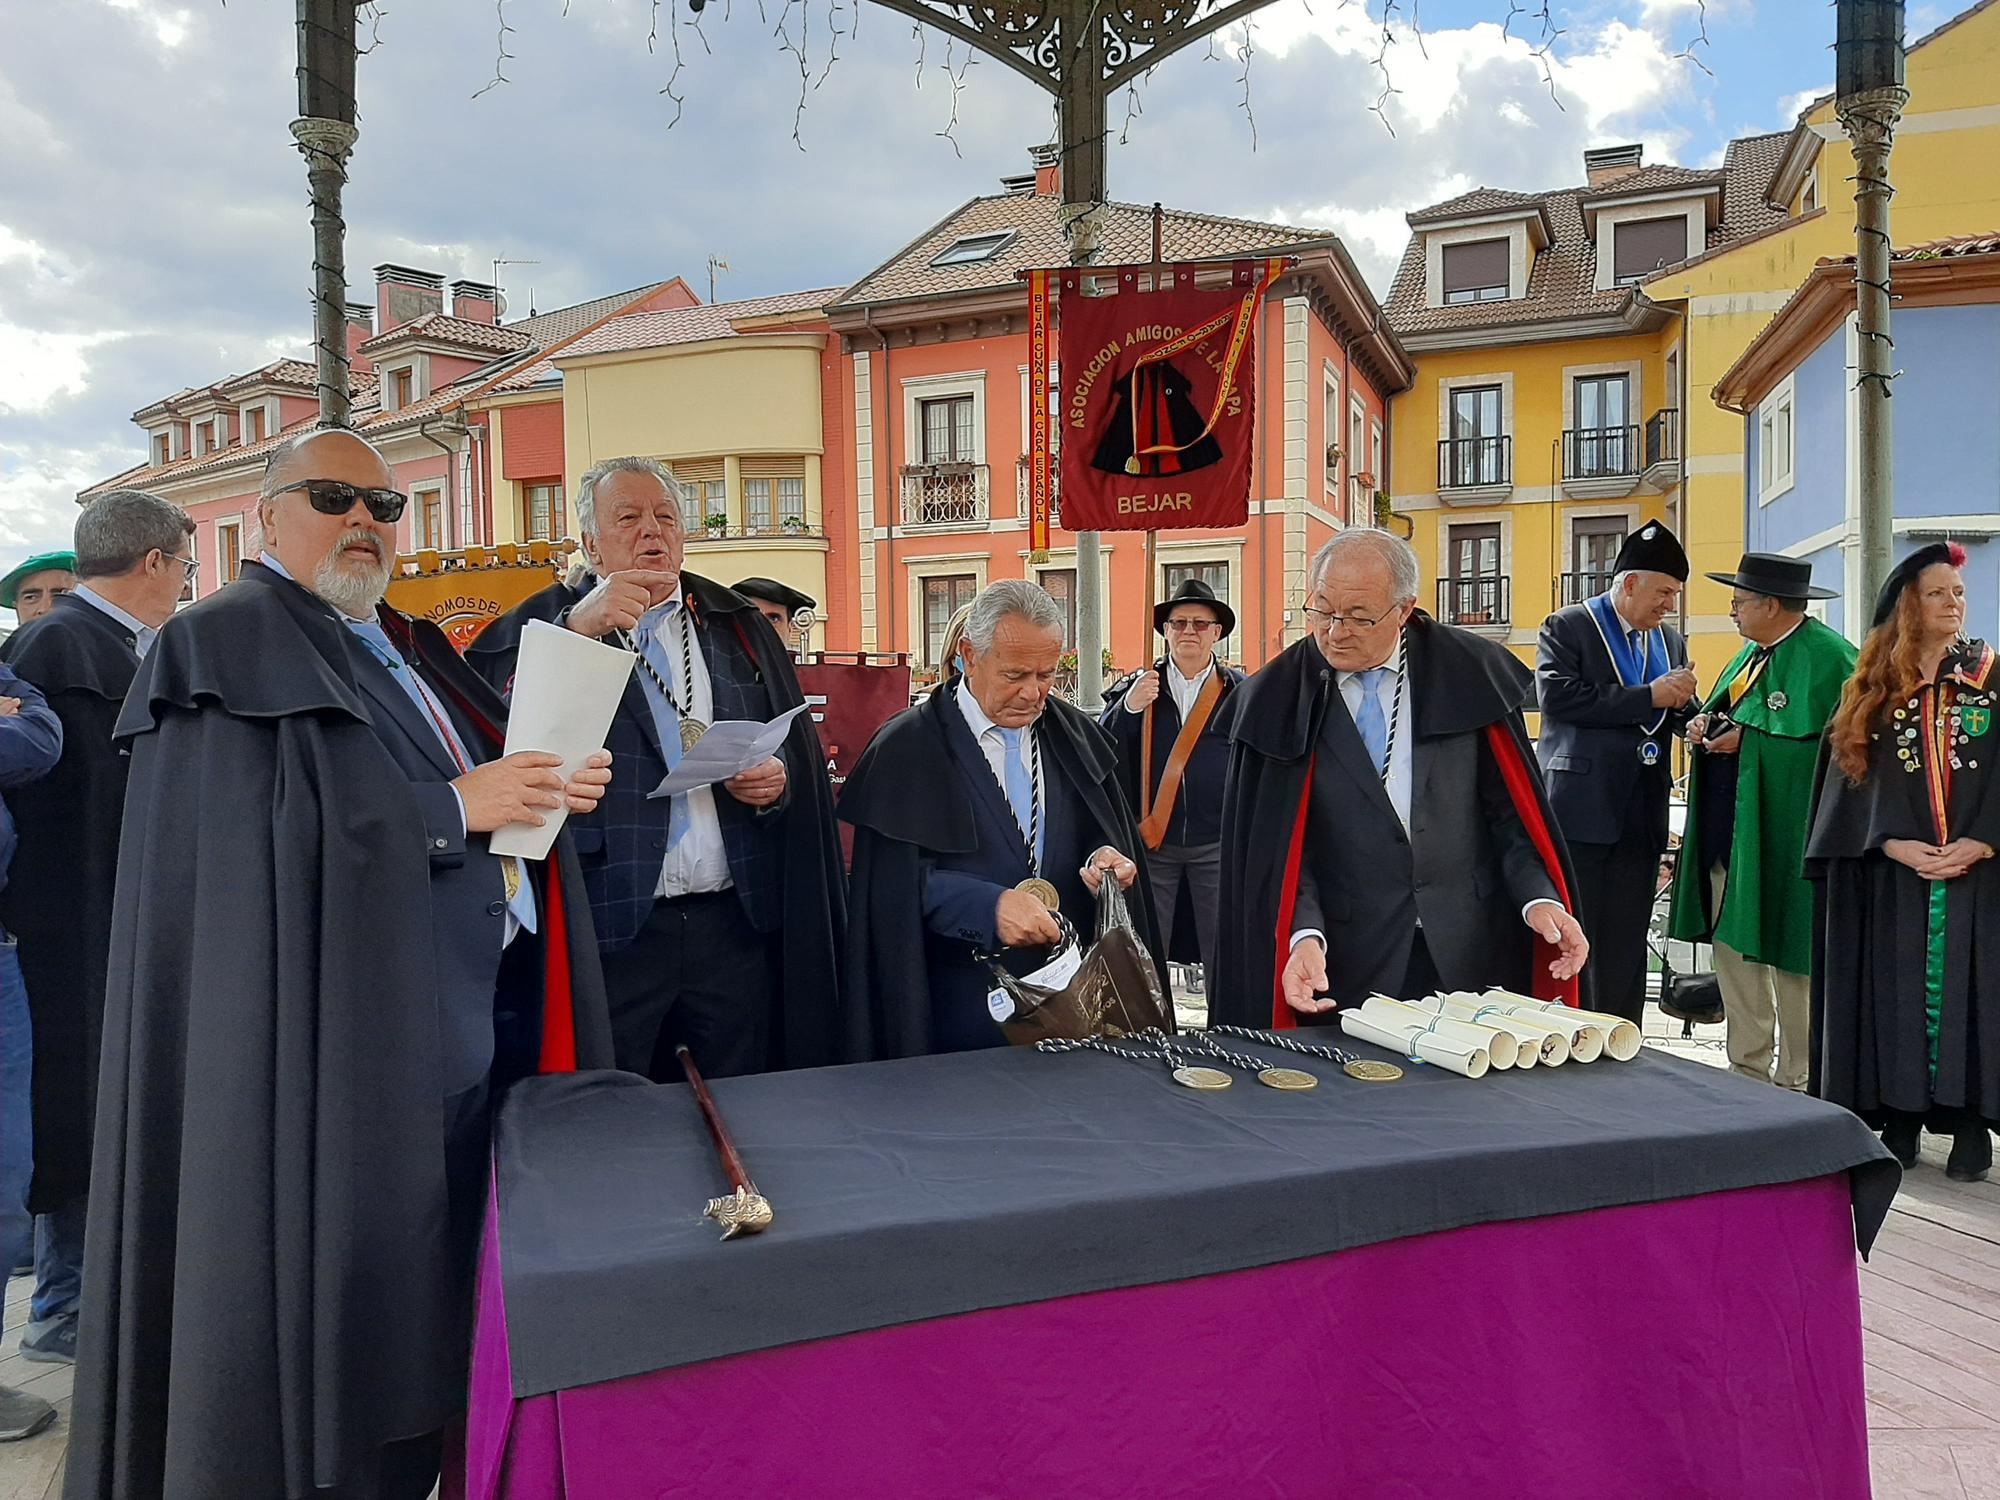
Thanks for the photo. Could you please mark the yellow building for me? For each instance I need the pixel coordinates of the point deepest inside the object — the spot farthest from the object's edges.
(1545, 421)
(1568, 342)
(1946, 185)
(730, 396)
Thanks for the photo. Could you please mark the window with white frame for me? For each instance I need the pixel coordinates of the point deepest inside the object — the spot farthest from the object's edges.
(1809, 199)
(756, 505)
(542, 504)
(1061, 586)
(427, 530)
(1330, 425)
(792, 501)
(228, 550)
(1777, 440)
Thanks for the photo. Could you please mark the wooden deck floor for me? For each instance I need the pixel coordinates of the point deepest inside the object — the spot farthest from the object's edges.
(1930, 1311)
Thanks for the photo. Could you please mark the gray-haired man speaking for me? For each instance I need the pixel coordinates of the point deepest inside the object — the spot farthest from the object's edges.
(719, 912)
(976, 814)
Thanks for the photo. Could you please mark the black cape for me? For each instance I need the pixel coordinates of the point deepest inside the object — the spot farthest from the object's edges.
(901, 798)
(269, 1289)
(1870, 1033)
(58, 900)
(806, 1031)
(1465, 685)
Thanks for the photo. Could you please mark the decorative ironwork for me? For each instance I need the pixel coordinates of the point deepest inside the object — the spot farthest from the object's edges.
(945, 495)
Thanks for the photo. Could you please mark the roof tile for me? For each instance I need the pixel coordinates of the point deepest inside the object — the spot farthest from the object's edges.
(691, 325)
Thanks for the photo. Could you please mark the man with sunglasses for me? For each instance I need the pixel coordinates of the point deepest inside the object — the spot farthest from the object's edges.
(321, 975)
(1384, 829)
(133, 561)
(1173, 756)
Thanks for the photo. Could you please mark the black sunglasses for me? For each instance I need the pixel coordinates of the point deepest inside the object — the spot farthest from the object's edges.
(331, 497)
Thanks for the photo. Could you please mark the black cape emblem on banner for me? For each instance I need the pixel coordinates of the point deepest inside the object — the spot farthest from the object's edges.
(1165, 417)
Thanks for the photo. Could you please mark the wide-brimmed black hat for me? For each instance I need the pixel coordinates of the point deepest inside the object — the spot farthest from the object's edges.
(1652, 549)
(1194, 591)
(787, 598)
(1906, 572)
(1775, 576)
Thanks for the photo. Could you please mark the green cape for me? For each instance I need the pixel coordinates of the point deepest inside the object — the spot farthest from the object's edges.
(1767, 905)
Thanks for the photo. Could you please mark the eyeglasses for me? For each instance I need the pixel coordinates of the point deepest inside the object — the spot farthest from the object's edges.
(330, 497)
(1326, 619)
(189, 565)
(1193, 626)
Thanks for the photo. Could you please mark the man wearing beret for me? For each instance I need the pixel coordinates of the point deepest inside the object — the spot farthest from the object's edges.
(31, 590)
(1740, 882)
(1614, 685)
(779, 603)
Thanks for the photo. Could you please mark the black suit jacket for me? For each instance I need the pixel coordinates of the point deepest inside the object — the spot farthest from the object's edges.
(1592, 727)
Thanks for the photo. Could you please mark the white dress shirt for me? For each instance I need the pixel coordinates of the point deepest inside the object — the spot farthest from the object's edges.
(994, 748)
(143, 635)
(698, 863)
(1184, 689)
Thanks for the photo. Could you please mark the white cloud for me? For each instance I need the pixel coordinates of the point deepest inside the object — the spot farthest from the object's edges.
(169, 26)
(43, 368)
(38, 489)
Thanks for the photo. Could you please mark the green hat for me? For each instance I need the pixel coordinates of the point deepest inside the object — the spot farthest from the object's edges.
(41, 562)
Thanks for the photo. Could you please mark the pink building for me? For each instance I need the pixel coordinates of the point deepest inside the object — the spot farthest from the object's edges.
(419, 373)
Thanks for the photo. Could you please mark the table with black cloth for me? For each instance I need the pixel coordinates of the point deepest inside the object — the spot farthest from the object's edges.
(1011, 1274)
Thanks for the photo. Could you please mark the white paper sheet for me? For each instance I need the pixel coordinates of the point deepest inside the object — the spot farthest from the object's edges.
(1586, 1038)
(566, 688)
(1499, 1045)
(728, 749)
(1453, 1056)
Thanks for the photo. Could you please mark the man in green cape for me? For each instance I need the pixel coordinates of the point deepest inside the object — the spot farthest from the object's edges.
(1739, 882)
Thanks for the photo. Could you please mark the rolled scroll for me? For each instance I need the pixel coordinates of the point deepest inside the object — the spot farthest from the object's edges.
(1501, 1047)
(1416, 1043)
(1586, 1039)
(1621, 1038)
(1539, 1042)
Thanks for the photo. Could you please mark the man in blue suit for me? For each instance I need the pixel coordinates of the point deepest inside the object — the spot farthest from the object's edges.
(1615, 688)
(718, 911)
(963, 808)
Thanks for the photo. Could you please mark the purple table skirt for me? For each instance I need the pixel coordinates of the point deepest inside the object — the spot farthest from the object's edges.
(1700, 1347)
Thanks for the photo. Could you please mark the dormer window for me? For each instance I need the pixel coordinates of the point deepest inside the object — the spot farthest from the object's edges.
(253, 425)
(1476, 271)
(163, 448)
(1639, 247)
(402, 385)
(968, 249)
(1809, 199)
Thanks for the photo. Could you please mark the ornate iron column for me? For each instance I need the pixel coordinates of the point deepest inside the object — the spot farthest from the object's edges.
(325, 135)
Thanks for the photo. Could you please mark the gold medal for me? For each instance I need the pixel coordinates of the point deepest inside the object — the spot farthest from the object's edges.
(1370, 1071)
(1291, 1079)
(691, 732)
(1201, 1078)
(1042, 891)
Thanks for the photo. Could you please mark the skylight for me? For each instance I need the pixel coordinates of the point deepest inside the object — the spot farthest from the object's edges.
(969, 248)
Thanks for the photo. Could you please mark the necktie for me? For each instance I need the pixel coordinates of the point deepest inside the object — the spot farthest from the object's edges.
(1020, 789)
(1368, 718)
(666, 718)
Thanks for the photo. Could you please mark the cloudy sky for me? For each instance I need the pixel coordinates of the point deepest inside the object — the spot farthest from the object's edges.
(153, 229)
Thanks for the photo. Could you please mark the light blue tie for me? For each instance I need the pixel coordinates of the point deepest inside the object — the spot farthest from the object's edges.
(1021, 791)
(1368, 718)
(666, 718)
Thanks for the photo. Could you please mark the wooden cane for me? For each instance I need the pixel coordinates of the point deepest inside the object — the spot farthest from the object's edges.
(744, 1211)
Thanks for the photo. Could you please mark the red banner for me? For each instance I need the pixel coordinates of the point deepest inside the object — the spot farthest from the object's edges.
(849, 702)
(1158, 394)
(1038, 416)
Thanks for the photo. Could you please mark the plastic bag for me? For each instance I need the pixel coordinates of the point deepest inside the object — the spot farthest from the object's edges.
(1115, 991)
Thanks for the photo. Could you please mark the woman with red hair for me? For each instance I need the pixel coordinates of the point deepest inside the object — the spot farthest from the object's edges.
(1906, 979)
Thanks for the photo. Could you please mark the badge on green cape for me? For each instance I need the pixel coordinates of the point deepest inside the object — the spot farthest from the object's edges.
(1976, 720)
(1776, 702)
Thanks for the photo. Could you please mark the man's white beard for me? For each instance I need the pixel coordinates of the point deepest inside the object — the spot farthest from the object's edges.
(352, 591)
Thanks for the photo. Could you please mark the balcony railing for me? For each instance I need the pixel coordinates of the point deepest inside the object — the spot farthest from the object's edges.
(1663, 437)
(945, 494)
(1484, 600)
(1469, 461)
(1577, 587)
(1600, 452)
(1021, 487)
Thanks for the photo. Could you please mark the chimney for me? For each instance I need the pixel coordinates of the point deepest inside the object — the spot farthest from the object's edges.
(475, 302)
(1607, 164)
(1048, 170)
(402, 295)
(360, 329)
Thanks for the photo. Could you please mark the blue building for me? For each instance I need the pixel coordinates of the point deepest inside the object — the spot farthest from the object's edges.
(1795, 387)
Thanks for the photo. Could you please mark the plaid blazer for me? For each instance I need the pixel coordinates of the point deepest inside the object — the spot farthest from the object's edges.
(624, 842)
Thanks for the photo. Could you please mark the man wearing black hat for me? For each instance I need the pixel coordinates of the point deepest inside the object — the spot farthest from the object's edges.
(782, 605)
(1739, 883)
(1173, 757)
(1614, 685)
